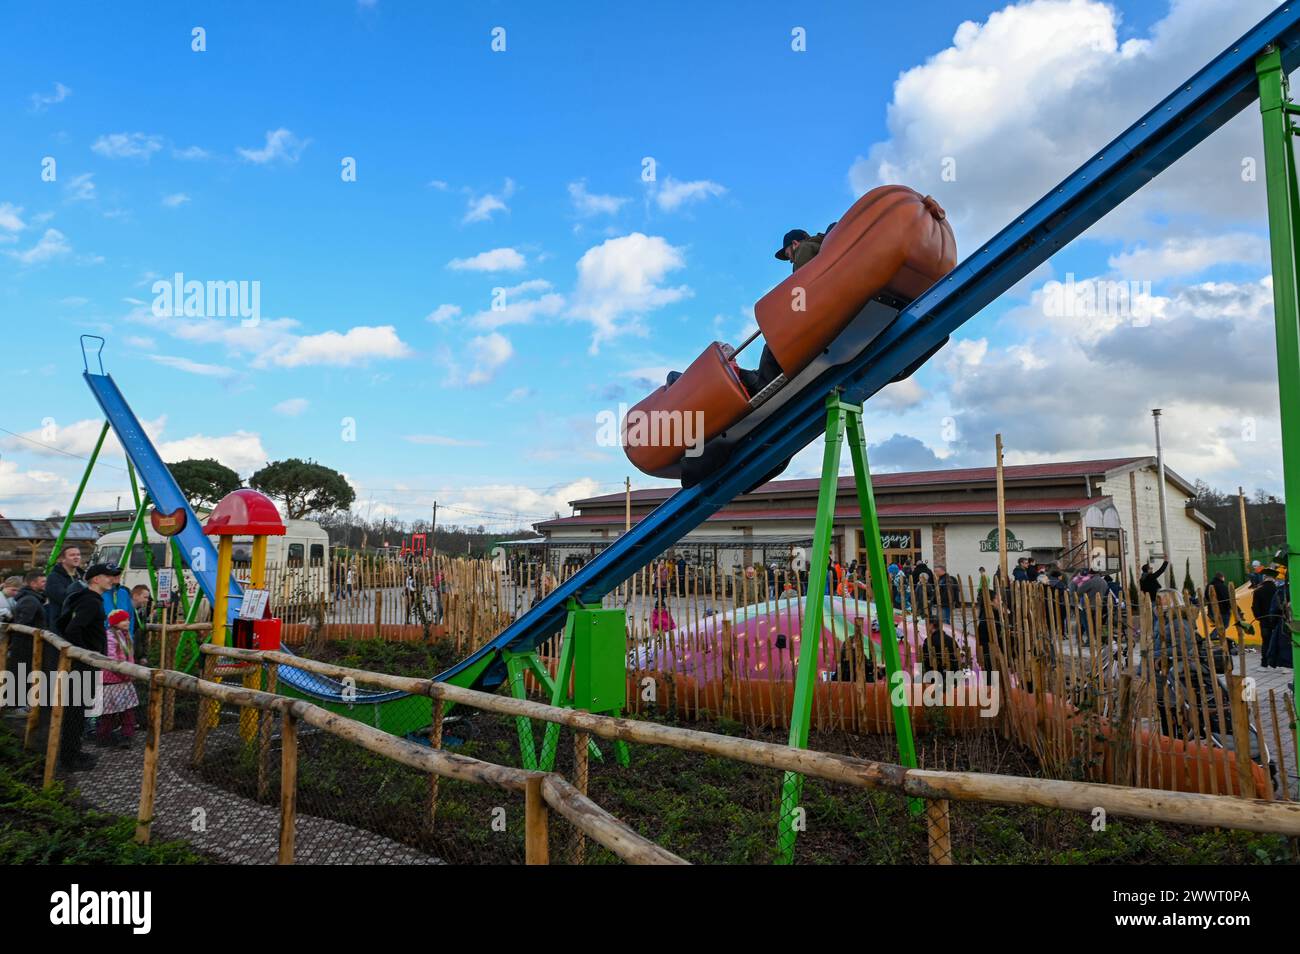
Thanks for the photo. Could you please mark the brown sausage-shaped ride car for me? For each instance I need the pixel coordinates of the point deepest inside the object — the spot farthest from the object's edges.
(888, 248)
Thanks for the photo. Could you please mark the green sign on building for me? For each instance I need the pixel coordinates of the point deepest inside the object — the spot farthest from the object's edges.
(990, 543)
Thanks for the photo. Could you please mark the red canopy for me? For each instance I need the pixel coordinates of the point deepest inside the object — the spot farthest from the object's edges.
(244, 511)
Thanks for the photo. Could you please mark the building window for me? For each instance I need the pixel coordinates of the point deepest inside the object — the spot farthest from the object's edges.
(295, 554)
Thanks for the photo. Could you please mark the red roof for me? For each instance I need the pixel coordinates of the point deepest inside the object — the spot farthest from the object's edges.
(960, 508)
(958, 475)
(244, 511)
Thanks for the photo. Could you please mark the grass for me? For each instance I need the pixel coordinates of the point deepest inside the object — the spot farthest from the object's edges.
(53, 828)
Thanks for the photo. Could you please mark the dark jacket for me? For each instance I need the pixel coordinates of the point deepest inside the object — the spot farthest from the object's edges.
(1150, 582)
(1261, 598)
(29, 608)
(85, 620)
(1221, 593)
(947, 591)
(919, 569)
(58, 585)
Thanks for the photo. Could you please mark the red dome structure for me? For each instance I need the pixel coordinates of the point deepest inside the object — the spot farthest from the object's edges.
(244, 511)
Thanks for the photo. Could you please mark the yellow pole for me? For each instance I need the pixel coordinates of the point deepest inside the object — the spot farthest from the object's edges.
(225, 565)
(258, 574)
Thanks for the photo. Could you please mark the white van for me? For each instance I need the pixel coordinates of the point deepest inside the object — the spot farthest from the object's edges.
(297, 563)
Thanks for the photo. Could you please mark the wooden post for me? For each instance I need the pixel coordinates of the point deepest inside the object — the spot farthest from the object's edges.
(59, 700)
(578, 851)
(536, 846)
(937, 828)
(1245, 537)
(270, 671)
(379, 613)
(288, 785)
(1240, 734)
(149, 775)
(34, 713)
(435, 740)
(1002, 518)
(728, 666)
(209, 710)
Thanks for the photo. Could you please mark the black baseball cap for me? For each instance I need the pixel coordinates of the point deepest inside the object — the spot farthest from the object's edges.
(102, 569)
(790, 236)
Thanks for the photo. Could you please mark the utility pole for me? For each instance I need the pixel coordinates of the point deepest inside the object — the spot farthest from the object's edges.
(1160, 470)
(1245, 537)
(1002, 518)
(433, 530)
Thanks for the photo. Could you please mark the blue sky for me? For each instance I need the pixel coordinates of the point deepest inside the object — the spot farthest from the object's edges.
(522, 170)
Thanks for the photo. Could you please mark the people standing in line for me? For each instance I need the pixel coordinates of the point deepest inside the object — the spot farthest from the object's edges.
(947, 592)
(1091, 591)
(8, 593)
(1023, 573)
(1256, 575)
(28, 610)
(62, 581)
(1261, 606)
(118, 597)
(1277, 651)
(116, 723)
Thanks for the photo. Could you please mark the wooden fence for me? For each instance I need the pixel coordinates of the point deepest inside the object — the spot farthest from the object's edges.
(543, 792)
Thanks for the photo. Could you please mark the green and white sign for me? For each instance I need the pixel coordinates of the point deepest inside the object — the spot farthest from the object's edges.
(990, 543)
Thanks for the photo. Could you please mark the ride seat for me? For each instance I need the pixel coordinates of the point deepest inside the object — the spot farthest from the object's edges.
(701, 404)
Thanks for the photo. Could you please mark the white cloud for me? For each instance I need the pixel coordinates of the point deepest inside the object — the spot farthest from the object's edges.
(899, 396)
(519, 305)
(588, 204)
(291, 407)
(438, 184)
(53, 244)
(43, 101)
(1190, 255)
(175, 200)
(443, 313)
(80, 188)
(143, 342)
(496, 260)
(241, 451)
(481, 208)
(673, 194)
(620, 279)
(1017, 102)
(488, 352)
(193, 367)
(355, 346)
(10, 220)
(127, 145)
(276, 342)
(281, 146)
(191, 153)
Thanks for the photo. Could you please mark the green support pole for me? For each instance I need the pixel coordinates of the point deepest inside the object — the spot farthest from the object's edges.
(1284, 241)
(76, 500)
(141, 506)
(516, 667)
(842, 421)
(857, 439)
(805, 682)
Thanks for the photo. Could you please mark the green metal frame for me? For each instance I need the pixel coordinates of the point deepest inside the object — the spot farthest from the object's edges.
(842, 421)
(557, 688)
(76, 500)
(1277, 110)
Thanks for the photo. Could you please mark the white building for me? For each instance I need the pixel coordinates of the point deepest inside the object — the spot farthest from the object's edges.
(1070, 513)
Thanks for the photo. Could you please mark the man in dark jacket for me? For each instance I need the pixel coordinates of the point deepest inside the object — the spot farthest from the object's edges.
(84, 622)
(1149, 583)
(62, 581)
(29, 610)
(1261, 604)
(1219, 598)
